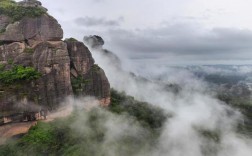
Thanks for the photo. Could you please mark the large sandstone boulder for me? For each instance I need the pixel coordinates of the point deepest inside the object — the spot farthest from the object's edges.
(51, 59)
(31, 3)
(94, 41)
(97, 85)
(9, 52)
(91, 79)
(66, 68)
(81, 57)
(4, 21)
(43, 28)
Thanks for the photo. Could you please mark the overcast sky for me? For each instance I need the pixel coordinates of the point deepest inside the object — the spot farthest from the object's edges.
(163, 31)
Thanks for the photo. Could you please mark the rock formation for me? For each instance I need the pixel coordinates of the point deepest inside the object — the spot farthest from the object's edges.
(43, 28)
(66, 67)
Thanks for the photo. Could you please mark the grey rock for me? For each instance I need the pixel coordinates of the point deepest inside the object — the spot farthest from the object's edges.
(82, 66)
(81, 57)
(52, 60)
(31, 3)
(9, 52)
(36, 42)
(94, 41)
(98, 85)
(43, 28)
(4, 21)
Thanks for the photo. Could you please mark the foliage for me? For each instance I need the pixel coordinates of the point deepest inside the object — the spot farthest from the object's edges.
(150, 116)
(82, 133)
(2, 66)
(64, 137)
(18, 73)
(17, 12)
(29, 50)
(70, 40)
(244, 105)
(95, 68)
(78, 83)
(10, 61)
(39, 138)
(2, 30)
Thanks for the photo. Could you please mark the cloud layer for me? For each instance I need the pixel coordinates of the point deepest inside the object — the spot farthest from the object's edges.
(185, 42)
(92, 21)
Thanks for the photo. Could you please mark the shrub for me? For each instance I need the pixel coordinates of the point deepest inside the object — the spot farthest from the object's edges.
(95, 68)
(70, 40)
(83, 132)
(29, 50)
(2, 30)
(78, 83)
(16, 12)
(2, 67)
(18, 73)
(150, 116)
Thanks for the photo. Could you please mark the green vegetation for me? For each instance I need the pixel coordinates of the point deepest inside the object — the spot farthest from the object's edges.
(90, 133)
(78, 83)
(95, 68)
(70, 40)
(10, 61)
(2, 43)
(2, 66)
(16, 12)
(244, 105)
(149, 116)
(18, 73)
(29, 50)
(2, 30)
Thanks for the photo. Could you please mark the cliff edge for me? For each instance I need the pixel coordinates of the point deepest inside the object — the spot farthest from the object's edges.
(37, 69)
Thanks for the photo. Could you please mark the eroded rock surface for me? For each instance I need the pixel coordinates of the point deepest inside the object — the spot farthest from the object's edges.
(66, 67)
(43, 28)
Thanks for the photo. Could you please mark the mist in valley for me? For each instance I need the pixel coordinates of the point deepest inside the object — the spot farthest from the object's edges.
(201, 124)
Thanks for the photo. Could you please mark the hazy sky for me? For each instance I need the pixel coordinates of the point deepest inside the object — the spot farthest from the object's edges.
(163, 31)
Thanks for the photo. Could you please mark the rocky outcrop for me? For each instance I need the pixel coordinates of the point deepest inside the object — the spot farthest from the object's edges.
(51, 59)
(66, 67)
(91, 79)
(31, 3)
(43, 28)
(96, 44)
(4, 21)
(97, 85)
(9, 52)
(81, 58)
(94, 41)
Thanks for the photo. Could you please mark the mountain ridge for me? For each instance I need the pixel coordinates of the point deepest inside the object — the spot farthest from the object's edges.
(66, 68)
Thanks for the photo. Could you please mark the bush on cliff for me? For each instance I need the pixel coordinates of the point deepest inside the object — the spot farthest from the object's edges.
(17, 12)
(18, 73)
(149, 115)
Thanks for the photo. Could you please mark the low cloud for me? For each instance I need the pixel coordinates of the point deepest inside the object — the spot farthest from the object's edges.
(185, 42)
(92, 21)
(194, 108)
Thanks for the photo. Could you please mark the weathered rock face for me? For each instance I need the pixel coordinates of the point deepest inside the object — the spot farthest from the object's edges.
(52, 60)
(31, 3)
(92, 79)
(49, 58)
(97, 85)
(9, 52)
(81, 58)
(44, 28)
(94, 41)
(36, 42)
(4, 21)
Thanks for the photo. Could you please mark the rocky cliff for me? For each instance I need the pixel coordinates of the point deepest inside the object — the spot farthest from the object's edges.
(37, 69)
